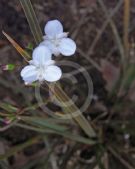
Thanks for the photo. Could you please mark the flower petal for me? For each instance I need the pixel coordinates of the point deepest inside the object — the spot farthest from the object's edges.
(52, 73)
(53, 28)
(41, 54)
(29, 74)
(54, 50)
(48, 44)
(67, 47)
(62, 35)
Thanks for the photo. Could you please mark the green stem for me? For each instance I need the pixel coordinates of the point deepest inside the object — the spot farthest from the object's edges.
(36, 31)
(72, 111)
(32, 20)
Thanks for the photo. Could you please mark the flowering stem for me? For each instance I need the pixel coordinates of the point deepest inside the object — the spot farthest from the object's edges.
(59, 93)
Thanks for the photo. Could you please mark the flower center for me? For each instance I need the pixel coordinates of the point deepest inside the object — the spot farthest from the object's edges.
(41, 68)
(56, 41)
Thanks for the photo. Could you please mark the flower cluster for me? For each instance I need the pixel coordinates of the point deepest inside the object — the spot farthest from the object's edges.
(42, 67)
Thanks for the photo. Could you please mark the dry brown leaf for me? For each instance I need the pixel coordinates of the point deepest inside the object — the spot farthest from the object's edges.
(110, 73)
(23, 53)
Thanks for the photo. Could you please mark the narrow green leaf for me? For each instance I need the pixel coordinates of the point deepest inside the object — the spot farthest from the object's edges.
(19, 147)
(8, 107)
(64, 134)
(77, 138)
(129, 76)
(41, 122)
(32, 20)
(79, 118)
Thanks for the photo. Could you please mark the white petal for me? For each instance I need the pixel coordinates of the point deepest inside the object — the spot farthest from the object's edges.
(54, 50)
(41, 54)
(50, 62)
(62, 35)
(48, 44)
(67, 47)
(52, 73)
(53, 28)
(30, 79)
(29, 74)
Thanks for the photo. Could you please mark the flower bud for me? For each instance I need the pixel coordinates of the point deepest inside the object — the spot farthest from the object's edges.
(8, 67)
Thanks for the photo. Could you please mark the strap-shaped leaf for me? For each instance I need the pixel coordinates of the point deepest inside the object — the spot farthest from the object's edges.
(43, 123)
(32, 20)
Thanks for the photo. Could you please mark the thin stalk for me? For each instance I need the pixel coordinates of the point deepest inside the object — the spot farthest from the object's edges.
(32, 20)
(126, 27)
(72, 110)
(116, 35)
(102, 29)
(36, 31)
(118, 156)
(8, 126)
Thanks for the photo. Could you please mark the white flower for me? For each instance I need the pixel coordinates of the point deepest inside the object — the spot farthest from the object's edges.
(56, 40)
(41, 67)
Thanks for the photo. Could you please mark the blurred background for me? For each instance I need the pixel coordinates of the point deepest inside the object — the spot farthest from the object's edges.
(104, 31)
